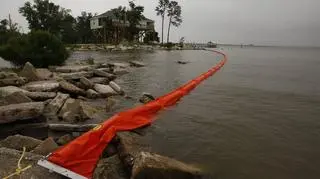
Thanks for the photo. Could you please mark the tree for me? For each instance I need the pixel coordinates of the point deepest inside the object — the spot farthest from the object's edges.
(83, 29)
(174, 14)
(161, 10)
(8, 29)
(134, 16)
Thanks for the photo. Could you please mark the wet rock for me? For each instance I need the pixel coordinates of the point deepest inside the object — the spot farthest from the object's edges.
(22, 111)
(42, 86)
(104, 90)
(109, 168)
(86, 111)
(13, 81)
(146, 98)
(110, 150)
(118, 65)
(137, 64)
(56, 104)
(30, 72)
(73, 68)
(7, 90)
(108, 69)
(44, 73)
(120, 71)
(36, 128)
(104, 74)
(45, 147)
(116, 87)
(86, 83)
(110, 104)
(71, 127)
(99, 80)
(92, 94)
(182, 62)
(149, 165)
(63, 140)
(16, 98)
(17, 142)
(70, 88)
(10, 157)
(41, 96)
(70, 111)
(76, 75)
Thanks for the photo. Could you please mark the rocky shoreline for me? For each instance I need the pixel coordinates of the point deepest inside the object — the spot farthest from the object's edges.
(44, 108)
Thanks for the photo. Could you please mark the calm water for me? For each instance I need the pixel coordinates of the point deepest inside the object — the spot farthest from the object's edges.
(259, 117)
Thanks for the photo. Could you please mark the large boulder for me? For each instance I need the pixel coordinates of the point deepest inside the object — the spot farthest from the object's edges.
(45, 147)
(73, 68)
(42, 86)
(41, 96)
(70, 88)
(104, 90)
(13, 81)
(149, 165)
(17, 142)
(116, 87)
(92, 94)
(70, 111)
(86, 111)
(56, 104)
(36, 128)
(22, 111)
(111, 102)
(30, 72)
(7, 90)
(86, 83)
(120, 71)
(99, 80)
(16, 98)
(101, 73)
(76, 75)
(110, 168)
(10, 157)
(44, 73)
(4, 75)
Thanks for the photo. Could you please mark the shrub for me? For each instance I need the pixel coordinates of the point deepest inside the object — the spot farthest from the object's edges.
(38, 47)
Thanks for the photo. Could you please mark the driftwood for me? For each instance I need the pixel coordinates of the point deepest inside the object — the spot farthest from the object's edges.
(71, 127)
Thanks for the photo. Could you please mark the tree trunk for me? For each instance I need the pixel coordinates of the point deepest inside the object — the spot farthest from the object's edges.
(168, 36)
(162, 29)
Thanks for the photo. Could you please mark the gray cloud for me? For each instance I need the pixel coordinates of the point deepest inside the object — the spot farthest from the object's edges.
(272, 22)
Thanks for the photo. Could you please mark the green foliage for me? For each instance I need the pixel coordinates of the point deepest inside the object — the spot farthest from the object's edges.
(134, 16)
(161, 10)
(38, 47)
(174, 14)
(151, 37)
(83, 30)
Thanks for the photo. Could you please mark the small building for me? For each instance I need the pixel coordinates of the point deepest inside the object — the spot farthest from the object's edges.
(110, 28)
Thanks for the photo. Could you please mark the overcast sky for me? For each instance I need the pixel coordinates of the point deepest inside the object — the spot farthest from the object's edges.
(266, 22)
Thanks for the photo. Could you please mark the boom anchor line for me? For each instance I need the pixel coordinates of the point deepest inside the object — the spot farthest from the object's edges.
(78, 158)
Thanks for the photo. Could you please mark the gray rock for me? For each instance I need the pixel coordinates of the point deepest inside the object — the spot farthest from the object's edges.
(120, 71)
(137, 64)
(45, 147)
(73, 68)
(119, 65)
(86, 111)
(71, 127)
(86, 83)
(44, 73)
(110, 168)
(92, 94)
(110, 104)
(41, 96)
(4, 75)
(63, 140)
(70, 111)
(56, 104)
(10, 157)
(104, 74)
(17, 142)
(7, 90)
(22, 111)
(30, 72)
(42, 86)
(16, 98)
(76, 75)
(13, 81)
(104, 90)
(149, 165)
(70, 88)
(146, 98)
(116, 87)
(99, 80)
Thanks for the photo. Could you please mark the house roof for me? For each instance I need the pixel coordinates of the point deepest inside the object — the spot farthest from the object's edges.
(111, 15)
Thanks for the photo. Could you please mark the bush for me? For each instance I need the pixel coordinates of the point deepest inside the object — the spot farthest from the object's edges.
(39, 48)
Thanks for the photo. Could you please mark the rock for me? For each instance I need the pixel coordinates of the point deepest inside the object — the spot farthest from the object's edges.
(44, 73)
(30, 72)
(108, 69)
(13, 81)
(104, 74)
(22, 111)
(36, 128)
(4, 75)
(149, 165)
(76, 75)
(16, 98)
(182, 62)
(9, 159)
(70, 110)
(137, 64)
(120, 71)
(86, 111)
(118, 65)
(110, 104)
(110, 168)
(5, 91)
(86, 83)
(99, 80)
(116, 87)
(42, 86)
(63, 140)
(71, 127)
(56, 104)
(17, 142)
(73, 68)
(45, 147)
(104, 90)
(110, 150)
(70, 88)
(41, 96)
(92, 94)
(146, 98)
